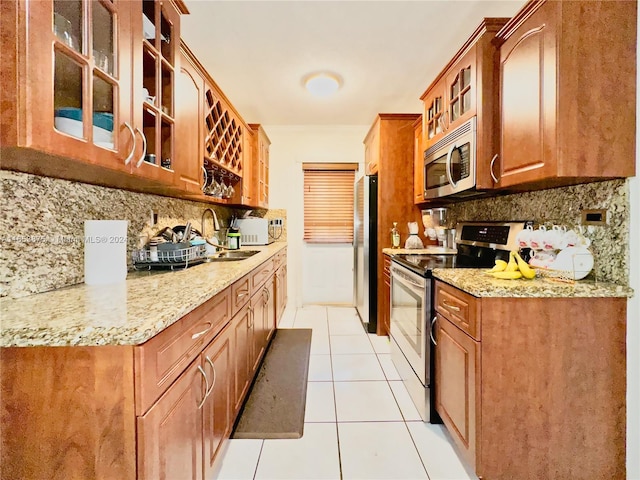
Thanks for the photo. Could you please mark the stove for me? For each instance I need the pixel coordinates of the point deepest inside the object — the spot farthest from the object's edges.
(479, 244)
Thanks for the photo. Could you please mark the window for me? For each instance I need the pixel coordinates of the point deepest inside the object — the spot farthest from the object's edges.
(328, 202)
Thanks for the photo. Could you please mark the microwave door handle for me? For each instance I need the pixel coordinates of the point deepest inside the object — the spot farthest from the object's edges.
(448, 166)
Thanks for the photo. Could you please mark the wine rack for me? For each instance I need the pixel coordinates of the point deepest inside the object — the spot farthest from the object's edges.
(224, 134)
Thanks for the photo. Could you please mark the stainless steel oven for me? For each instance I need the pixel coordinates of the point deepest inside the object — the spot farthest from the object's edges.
(410, 344)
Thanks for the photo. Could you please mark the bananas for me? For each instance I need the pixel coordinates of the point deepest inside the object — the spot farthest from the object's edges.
(499, 266)
(515, 268)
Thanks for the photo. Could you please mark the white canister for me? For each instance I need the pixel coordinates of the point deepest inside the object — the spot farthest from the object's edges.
(105, 251)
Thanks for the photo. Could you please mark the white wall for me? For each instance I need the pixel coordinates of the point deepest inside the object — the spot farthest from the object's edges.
(316, 273)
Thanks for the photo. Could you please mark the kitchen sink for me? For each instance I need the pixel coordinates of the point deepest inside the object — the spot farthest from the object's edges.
(231, 255)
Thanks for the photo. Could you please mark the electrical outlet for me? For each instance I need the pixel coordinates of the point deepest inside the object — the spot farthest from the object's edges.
(594, 217)
(153, 218)
(275, 222)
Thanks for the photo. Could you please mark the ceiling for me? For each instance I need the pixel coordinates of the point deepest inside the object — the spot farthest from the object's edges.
(387, 53)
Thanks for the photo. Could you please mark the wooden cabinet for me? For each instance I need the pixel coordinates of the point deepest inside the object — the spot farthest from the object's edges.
(261, 145)
(389, 145)
(531, 361)
(89, 119)
(565, 111)
(384, 312)
(189, 125)
(162, 409)
(281, 291)
(467, 88)
(418, 163)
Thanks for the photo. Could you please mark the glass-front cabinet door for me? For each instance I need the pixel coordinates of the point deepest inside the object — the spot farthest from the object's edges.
(156, 44)
(81, 109)
(461, 91)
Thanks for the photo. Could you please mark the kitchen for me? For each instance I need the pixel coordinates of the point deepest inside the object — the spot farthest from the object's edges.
(290, 145)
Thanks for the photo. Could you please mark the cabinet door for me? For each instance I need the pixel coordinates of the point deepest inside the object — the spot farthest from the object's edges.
(242, 353)
(156, 62)
(258, 331)
(249, 196)
(433, 115)
(528, 101)
(75, 79)
(189, 153)
(372, 151)
(216, 360)
(418, 164)
(170, 433)
(281, 291)
(457, 361)
(270, 306)
(461, 91)
(263, 168)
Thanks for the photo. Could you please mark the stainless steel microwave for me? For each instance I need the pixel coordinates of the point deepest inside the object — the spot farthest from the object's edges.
(450, 164)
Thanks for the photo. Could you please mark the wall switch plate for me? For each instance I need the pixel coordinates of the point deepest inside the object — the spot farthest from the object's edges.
(594, 217)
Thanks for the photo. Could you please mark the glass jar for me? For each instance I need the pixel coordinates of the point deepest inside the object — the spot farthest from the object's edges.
(395, 236)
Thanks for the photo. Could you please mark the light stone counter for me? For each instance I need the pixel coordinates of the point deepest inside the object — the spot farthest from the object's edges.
(125, 314)
(420, 251)
(477, 283)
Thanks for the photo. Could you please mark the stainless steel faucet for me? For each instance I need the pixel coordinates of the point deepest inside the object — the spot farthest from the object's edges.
(216, 224)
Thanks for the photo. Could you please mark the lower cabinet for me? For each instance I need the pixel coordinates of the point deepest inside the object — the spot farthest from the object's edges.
(243, 347)
(281, 290)
(384, 314)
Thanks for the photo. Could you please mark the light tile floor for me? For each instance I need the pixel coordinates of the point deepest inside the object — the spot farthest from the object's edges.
(360, 422)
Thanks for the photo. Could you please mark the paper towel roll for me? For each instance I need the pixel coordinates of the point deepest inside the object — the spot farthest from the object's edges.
(105, 251)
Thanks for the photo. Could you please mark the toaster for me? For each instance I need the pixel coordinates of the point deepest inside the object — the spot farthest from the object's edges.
(254, 231)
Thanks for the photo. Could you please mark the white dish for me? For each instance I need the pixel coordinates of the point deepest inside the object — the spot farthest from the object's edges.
(72, 127)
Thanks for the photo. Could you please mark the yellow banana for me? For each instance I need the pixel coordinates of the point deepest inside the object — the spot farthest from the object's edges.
(512, 266)
(499, 266)
(507, 275)
(527, 271)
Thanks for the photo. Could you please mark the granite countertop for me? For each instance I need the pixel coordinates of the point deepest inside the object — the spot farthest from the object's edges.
(475, 282)
(129, 313)
(420, 251)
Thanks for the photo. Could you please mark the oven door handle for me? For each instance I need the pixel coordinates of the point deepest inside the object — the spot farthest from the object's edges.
(431, 330)
(448, 166)
(418, 288)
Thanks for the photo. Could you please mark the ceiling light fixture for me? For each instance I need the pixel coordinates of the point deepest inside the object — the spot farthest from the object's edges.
(322, 84)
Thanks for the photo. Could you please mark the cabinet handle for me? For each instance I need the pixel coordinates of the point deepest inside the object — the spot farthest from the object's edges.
(206, 388)
(266, 290)
(431, 330)
(250, 325)
(493, 161)
(451, 307)
(144, 148)
(445, 123)
(213, 367)
(241, 294)
(199, 334)
(133, 149)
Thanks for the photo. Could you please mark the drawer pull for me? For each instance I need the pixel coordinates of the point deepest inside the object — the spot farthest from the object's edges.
(250, 324)
(206, 389)
(452, 307)
(213, 367)
(199, 334)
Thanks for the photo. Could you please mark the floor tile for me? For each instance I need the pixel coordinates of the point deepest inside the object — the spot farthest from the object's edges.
(240, 460)
(341, 344)
(380, 343)
(341, 313)
(407, 407)
(320, 368)
(288, 317)
(353, 367)
(346, 327)
(314, 456)
(378, 450)
(437, 452)
(320, 403)
(320, 343)
(388, 367)
(365, 402)
(310, 316)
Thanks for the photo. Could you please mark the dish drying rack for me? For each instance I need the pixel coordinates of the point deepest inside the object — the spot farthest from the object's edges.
(168, 256)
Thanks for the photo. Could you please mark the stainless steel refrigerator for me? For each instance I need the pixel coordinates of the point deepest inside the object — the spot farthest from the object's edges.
(366, 241)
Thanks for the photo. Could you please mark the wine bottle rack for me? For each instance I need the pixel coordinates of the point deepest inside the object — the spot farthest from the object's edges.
(224, 134)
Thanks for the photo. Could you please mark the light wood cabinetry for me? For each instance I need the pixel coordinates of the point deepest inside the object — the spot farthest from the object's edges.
(261, 145)
(88, 119)
(162, 409)
(389, 145)
(281, 284)
(418, 163)
(466, 88)
(531, 361)
(565, 111)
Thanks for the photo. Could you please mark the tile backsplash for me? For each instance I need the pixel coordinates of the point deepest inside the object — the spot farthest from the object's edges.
(42, 222)
(563, 206)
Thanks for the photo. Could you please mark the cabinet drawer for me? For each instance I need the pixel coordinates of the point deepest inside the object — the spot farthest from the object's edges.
(386, 266)
(240, 293)
(160, 360)
(261, 274)
(458, 307)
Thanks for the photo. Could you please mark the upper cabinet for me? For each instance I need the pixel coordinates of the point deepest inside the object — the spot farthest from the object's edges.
(261, 145)
(94, 86)
(567, 94)
(465, 88)
(418, 163)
